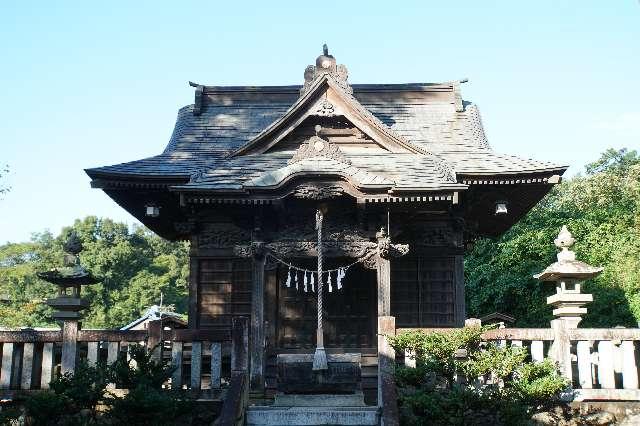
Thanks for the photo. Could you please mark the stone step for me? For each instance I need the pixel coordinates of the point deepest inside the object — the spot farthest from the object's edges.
(308, 416)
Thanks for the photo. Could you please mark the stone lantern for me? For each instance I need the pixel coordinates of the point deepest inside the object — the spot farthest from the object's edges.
(568, 273)
(69, 278)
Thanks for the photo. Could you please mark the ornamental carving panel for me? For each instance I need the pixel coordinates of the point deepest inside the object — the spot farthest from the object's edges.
(317, 192)
(222, 235)
(316, 147)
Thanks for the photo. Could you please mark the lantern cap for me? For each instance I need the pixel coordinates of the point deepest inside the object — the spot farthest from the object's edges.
(567, 267)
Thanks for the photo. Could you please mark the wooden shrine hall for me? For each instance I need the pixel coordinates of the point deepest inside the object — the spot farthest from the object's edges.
(391, 181)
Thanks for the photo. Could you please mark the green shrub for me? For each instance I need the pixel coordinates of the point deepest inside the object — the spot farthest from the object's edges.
(500, 387)
(74, 398)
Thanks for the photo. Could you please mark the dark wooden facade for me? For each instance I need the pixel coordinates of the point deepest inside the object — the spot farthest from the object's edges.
(404, 173)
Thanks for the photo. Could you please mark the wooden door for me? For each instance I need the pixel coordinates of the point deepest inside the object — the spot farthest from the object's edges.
(349, 313)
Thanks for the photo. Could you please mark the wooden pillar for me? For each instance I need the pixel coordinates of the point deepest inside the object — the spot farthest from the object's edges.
(387, 398)
(384, 279)
(460, 314)
(256, 374)
(69, 345)
(193, 287)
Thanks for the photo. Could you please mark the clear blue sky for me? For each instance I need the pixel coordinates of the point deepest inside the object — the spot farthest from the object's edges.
(85, 84)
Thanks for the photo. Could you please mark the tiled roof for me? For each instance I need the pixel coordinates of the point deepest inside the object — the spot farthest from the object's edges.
(200, 144)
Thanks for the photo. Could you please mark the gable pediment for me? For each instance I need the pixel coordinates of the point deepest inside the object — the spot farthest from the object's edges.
(326, 101)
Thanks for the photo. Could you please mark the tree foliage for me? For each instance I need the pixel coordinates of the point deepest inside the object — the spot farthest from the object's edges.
(602, 211)
(136, 267)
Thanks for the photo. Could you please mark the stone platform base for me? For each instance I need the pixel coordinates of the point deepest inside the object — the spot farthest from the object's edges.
(308, 416)
(322, 400)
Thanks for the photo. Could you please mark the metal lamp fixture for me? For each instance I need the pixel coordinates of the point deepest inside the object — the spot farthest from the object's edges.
(501, 208)
(152, 210)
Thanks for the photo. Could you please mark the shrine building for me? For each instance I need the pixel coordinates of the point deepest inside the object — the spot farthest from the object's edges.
(401, 177)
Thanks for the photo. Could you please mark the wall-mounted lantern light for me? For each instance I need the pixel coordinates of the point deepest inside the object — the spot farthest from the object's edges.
(152, 210)
(501, 208)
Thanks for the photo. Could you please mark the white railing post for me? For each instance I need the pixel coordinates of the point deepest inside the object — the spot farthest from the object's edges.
(629, 368)
(583, 351)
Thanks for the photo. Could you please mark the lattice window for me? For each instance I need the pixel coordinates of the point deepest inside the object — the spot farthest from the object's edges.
(423, 292)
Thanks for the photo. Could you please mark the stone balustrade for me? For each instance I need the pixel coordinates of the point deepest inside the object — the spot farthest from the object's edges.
(32, 358)
(601, 363)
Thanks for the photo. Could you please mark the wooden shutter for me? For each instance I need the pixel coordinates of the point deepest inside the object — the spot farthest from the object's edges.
(224, 291)
(423, 292)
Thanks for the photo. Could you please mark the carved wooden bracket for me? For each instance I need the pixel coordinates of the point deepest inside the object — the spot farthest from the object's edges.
(388, 250)
(255, 249)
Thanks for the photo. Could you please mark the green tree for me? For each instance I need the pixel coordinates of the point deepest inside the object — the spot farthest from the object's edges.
(136, 267)
(602, 210)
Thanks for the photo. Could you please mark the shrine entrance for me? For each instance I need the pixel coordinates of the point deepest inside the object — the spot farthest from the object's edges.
(350, 313)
